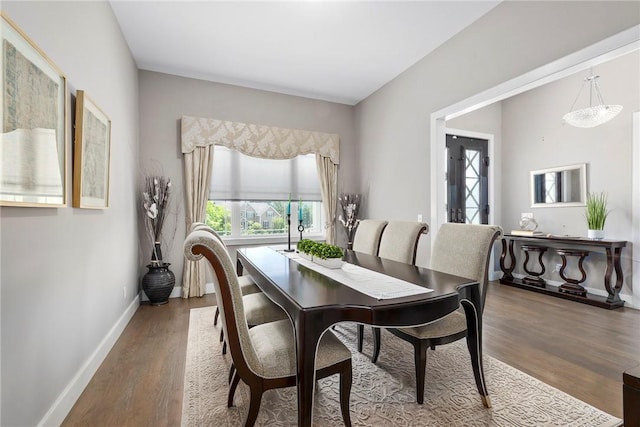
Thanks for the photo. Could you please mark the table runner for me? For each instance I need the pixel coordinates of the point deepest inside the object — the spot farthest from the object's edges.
(368, 282)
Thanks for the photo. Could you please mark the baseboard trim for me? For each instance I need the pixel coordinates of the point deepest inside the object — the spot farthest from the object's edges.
(65, 401)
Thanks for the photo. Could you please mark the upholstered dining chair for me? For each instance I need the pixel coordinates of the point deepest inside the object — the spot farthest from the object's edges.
(399, 242)
(247, 284)
(368, 234)
(463, 250)
(264, 356)
(258, 308)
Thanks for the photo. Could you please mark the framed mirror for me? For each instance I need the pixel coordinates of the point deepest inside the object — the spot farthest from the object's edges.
(559, 187)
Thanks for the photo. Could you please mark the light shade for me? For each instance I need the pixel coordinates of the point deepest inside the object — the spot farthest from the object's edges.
(592, 116)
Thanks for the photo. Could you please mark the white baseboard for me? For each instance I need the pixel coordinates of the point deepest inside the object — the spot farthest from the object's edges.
(63, 404)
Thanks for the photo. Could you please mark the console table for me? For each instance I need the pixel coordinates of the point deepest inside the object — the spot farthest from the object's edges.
(562, 244)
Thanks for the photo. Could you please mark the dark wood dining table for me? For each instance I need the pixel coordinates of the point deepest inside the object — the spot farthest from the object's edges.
(315, 302)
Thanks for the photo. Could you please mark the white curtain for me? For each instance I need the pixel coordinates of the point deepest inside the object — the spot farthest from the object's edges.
(328, 172)
(198, 165)
(199, 135)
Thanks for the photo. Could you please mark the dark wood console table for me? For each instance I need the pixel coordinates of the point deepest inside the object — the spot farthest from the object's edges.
(612, 248)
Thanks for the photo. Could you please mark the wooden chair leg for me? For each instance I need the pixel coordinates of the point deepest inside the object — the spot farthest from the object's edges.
(420, 356)
(232, 389)
(215, 317)
(345, 392)
(224, 347)
(232, 371)
(254, 406)
(376, 344)
(360, 337)
(221, 335)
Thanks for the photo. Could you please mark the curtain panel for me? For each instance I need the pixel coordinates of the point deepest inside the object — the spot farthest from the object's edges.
(198, 135)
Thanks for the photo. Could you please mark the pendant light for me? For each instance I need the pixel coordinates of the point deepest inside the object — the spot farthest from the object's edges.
(594, 115)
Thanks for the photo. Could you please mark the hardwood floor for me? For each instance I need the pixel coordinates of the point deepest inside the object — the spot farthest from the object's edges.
(576, 348)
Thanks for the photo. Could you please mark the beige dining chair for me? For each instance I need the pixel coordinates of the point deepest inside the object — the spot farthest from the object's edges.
(462, 250)
(399, 242)
(259, 308)
(264, 356)
(368, 234)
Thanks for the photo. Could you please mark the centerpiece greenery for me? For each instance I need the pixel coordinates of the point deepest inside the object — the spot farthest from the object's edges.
(319, 249)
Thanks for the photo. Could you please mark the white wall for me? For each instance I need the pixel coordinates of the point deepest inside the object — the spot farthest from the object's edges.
(536, 138)
(64, 269)
(165, 98)
(515, 37)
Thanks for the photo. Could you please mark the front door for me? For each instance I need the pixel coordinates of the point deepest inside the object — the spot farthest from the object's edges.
(467, 180)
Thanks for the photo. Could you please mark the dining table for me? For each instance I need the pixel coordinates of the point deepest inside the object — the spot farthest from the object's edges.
(367, 289)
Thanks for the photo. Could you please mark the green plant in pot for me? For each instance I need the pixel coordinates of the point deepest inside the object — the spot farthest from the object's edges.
(596, 214)
(327, 251)
(305, 246)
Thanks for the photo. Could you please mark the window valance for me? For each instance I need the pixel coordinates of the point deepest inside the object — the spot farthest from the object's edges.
(267, 142)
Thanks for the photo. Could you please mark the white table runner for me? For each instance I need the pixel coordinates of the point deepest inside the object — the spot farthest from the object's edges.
(368, 282)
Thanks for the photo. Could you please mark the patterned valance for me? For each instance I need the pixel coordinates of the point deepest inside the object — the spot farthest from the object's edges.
(267, 142)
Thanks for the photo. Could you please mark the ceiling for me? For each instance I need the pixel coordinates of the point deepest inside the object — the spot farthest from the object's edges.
(339, 51)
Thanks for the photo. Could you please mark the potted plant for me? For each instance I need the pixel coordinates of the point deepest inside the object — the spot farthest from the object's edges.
(305, 247)
(596, 214)
(327, 255)
(159, 281)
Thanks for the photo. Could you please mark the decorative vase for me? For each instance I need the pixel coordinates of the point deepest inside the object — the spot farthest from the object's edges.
(158, 283)
(332, 263)
(595, 234)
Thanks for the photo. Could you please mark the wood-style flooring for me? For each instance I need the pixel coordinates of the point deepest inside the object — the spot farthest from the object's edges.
(577, 348)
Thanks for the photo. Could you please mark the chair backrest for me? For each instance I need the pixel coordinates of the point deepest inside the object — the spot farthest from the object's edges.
(464, 250)
(368, 234)
(201, 243)
(202, 226)
(400, 240)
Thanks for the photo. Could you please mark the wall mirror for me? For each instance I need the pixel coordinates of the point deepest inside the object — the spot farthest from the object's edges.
(559, 187)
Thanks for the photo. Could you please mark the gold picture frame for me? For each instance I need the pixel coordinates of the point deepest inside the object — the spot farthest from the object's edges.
(34, 122)
(91, 155)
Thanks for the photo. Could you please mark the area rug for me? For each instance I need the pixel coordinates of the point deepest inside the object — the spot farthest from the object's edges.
(382, 394)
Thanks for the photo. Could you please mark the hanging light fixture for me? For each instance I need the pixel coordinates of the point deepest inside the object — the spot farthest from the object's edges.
(594, 115)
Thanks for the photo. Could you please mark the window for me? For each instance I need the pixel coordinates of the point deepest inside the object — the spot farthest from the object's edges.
(249, 196)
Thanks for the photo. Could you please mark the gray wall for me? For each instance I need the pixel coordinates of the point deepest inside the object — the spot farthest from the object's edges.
(64, 269)
(393, 124)
(165, 98)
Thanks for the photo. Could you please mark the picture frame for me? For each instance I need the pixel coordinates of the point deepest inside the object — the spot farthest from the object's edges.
(34, 120)
(91, 155)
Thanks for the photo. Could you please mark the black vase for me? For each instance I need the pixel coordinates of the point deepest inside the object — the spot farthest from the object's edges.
(158, 283)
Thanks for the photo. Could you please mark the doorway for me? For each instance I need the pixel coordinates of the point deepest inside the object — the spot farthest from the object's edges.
(467, 179)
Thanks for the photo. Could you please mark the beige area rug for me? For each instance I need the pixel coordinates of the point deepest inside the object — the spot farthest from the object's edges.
(382, 394)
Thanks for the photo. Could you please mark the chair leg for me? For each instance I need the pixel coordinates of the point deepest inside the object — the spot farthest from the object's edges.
(376, 344)
(345, 392)
(254, 406)
(232, 371)
(420, 356)
(215, 317)
(232, 389)
(360, 337)
(221, 334)
(224, 347)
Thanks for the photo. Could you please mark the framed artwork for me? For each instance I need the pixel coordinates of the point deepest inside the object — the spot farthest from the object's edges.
(34, 122)
(91, 155)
